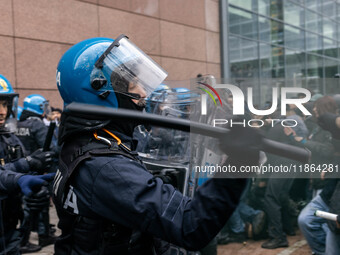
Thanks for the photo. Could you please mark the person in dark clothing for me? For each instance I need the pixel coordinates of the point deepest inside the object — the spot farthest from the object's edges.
(32, 133)
(12, 152)
(315, 229)
(31, 129)
(106, 200)
(276, 198)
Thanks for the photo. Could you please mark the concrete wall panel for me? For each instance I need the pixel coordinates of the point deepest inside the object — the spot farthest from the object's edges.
(213, 47)
(60, 21)
(182, 41)
(146, 7)
(143, 31)
(183, 69)
(6, 24)
(37, 63)
(212, 15)
(7, 66)
(189, 12)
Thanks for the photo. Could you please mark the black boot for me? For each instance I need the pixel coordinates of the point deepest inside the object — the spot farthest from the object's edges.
(258, 223)
(30, 248)
(47, 240)
(233, 238)
(275, 243)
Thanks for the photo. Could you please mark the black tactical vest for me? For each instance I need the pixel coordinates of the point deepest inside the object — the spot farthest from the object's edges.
(24, 130)
(91, 235)
(11, 209)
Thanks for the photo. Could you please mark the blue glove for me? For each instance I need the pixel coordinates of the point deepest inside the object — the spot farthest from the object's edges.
(31, 183)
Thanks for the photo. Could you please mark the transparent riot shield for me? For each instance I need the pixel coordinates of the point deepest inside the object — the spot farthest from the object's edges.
(166, 152)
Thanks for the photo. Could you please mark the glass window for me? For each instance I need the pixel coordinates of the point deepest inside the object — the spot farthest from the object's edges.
(294, 37)
(293, 14)
(313, 43)
(264, 7)
(313, 5)
(314, 73)
(243, 57)
(276, 10)
(271, 61)
(338, 21)
(271, 31)
(330, 48)
(329, 8)
(276, 32)
(271, 66)
(242, 23)
(302, 2)
(264, 29)
(246, 4)
(329, 28)
(313, 21)
(295, 67)
(331, 68)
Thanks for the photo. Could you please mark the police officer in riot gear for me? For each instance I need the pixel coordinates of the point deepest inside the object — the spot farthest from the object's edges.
(31, 129)
(32, 133)
(12, 152)
(107, 201)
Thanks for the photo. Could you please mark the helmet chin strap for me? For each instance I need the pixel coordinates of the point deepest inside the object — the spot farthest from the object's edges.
(130, 95)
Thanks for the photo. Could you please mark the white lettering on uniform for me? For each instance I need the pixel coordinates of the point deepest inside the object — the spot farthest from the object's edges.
(71, 201)
(23, 132)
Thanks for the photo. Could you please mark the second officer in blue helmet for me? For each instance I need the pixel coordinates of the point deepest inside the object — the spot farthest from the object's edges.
(32, 133)
(12, 152)
(107, 201)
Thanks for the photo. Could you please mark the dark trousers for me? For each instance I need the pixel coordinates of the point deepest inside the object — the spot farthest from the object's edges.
(276, 199)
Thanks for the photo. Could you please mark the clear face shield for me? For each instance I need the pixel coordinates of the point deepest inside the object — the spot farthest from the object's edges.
(131, 71)
(46, 108)
(171, 103)
(162, 144)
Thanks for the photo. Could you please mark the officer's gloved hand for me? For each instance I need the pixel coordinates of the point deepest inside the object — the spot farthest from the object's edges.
(40, 160)
(31, 183)
(242, 145)
(39, 200)
(328, 122)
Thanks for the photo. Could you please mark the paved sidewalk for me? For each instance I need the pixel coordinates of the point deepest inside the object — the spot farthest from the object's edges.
(297, 245)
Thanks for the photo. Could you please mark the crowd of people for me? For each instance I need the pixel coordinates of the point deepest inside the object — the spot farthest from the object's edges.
(106, 199)
(275, 206)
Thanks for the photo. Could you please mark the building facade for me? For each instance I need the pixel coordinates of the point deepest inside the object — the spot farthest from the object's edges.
(295, 42)
(181, 35)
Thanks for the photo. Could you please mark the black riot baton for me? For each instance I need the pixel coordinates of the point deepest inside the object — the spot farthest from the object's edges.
(49, 136)
(270, 146)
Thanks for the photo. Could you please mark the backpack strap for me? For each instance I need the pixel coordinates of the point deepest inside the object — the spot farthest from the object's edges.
(67, 166)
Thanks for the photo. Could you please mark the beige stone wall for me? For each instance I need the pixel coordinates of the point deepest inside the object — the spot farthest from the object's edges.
(181, 35)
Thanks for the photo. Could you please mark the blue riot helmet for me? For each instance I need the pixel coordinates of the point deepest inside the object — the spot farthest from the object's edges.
(37, 104)
(176, 102)
(169, 144)
(7, 94)
(95, 70)
(156, 97)
(165, 151)
(20, 109)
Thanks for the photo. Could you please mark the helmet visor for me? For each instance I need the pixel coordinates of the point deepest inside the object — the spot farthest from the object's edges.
(129, 67)
(46, 107)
